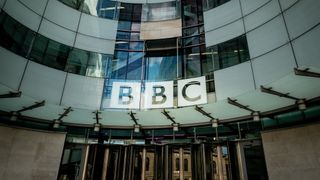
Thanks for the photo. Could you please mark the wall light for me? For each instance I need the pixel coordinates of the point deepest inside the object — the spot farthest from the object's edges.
(256, 116)
(214, 123)
(14, 116)
(96, 127)
(175, 126)
(56, 123)
(136, 128)
(301, 104)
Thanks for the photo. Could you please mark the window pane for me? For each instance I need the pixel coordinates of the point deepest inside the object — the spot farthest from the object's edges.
(98, 65)
(77, 61)
(122, 45)
(56, 55)
(121, 35)
(192, 59)
(136, 46)
(124, 25)
(119, 65)
(38, 49)
(102, 8)
(125, 12)
(14, 36)
(160, 11)
(161, 68)
(135, 65)
(76, 4)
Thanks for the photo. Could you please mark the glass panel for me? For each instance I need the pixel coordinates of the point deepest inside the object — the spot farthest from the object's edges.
(135, 65)
(135, 26)
(209, 4)
(243, 49)
(161, 68)
(99, 65)
(135, 36)
(191, 41)
(119, 65)
(190, 31)
(190, 16)
(77, 61)
(122, 45)
(124, 25)
(255, 162)
(125, 12)
(101, 8)
(228, 53)
(160, 11)
(136, 13)
(14, 36)
(76, 4)
(56, 55)
(38, 49)
(192, 57)
(122, 35)
(136, 46)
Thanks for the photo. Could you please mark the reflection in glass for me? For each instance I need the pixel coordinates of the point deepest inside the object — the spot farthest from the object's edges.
(124, 25)
(76, 4)
(56, 55)
(161, 68)
(136, 46)
(192, 57)
(135, 65)
(228, 53)
(210, 4)
(101, 8)
(119, 65)
(160, 11)
(14, 36)
(99, 65)
(77, 62)
(123, 35)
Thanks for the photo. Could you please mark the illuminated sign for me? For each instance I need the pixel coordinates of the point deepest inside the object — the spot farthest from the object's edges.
(128, 95)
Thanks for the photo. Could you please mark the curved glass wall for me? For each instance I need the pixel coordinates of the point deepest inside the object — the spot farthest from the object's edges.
(161, 11)
(210, 4)
(27, 43)
(154, 60)
(229, 53)
(102, 8)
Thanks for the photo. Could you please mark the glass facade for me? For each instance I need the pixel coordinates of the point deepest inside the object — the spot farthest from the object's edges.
(27, 43)
(133, 59)
(161, 11)
(210, 4)
(227, 54)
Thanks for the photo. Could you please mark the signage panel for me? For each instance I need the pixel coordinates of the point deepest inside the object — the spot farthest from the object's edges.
(158, 95)
(126, 95)
(192, 91)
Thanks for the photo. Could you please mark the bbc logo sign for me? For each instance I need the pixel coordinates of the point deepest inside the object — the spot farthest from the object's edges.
(128, 95)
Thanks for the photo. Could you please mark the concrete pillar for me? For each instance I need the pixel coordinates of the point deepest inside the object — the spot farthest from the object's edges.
(241, 162)
(181, 163)
(220, 163)
(143, 172)
(105, 164)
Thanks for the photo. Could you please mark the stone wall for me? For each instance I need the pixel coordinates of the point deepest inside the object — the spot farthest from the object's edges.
(27, 154)
(293, 153)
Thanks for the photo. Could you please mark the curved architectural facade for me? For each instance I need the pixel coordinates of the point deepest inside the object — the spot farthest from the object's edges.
(257, 44)
(61, 59)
